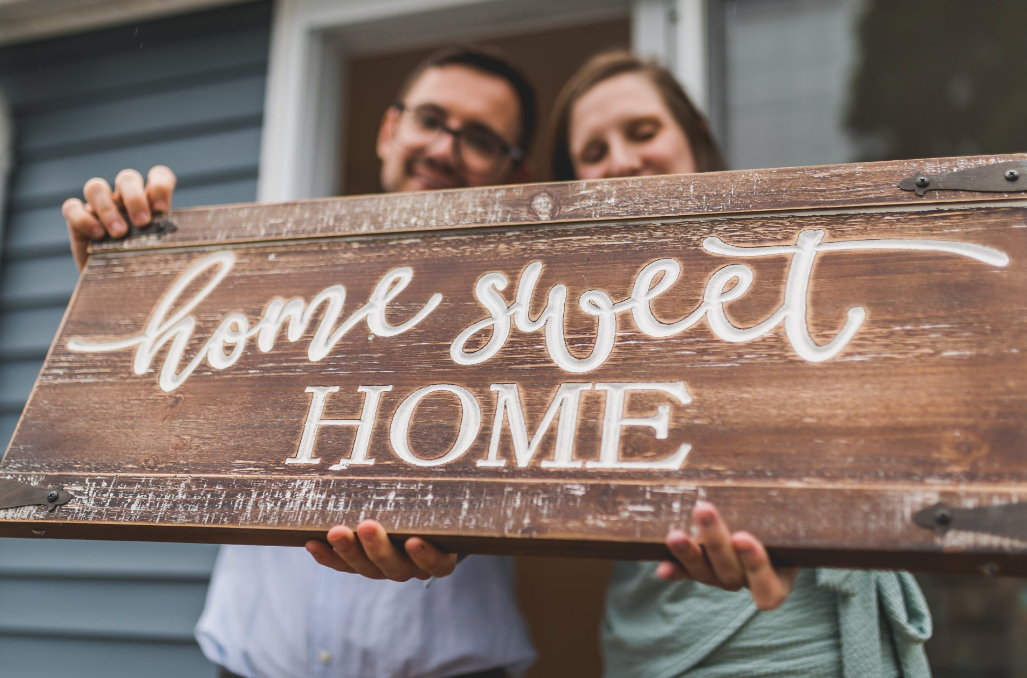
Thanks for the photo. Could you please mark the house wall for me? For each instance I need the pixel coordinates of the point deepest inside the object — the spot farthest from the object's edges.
(188, 92)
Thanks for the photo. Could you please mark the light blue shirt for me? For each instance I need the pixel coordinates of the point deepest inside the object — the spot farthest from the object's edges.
(273, 612)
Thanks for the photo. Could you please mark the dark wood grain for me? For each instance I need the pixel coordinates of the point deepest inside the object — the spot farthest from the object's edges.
(809, 525)
(825, 460)
(640, 198)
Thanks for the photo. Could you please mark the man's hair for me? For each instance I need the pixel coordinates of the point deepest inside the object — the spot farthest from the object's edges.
(490, 60)
(705, 150)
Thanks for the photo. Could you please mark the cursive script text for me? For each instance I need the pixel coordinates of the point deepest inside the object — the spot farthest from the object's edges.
(792, 312)
(234, 330)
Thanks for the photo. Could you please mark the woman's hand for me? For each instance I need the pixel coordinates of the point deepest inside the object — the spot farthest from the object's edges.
(101, 213)
(370, 553)
(725, 560)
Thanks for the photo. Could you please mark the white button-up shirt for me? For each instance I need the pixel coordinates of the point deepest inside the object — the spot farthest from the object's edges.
(273, 612)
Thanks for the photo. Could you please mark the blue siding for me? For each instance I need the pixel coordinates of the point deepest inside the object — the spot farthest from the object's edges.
(188, 92)
(28, 656)
(196, 158)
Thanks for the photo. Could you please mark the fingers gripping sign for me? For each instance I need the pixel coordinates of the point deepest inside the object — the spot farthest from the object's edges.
(104, 208)
(769, 586)
(160, 184)
(129, 188)
(725, 560)
(369, 552)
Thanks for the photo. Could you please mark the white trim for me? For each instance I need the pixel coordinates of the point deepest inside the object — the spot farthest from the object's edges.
(299, 155)
(26, 20)
(676, 33)
(652, 30)
(692, 54)
(300, 110)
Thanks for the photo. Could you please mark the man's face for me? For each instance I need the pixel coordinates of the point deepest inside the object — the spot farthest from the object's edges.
(463, 98)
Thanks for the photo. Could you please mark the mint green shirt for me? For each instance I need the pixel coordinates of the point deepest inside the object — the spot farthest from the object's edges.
(835, 624)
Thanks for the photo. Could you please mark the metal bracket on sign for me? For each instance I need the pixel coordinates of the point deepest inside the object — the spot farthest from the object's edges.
(1003, 177)
(1003, 520)
(14, 495)
(159, 227)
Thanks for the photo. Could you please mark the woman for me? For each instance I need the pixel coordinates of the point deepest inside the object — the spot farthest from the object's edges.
(620, 116)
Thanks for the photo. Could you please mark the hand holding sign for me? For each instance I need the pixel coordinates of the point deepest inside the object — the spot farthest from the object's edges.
(370, 553)
(719, 558)
(725, 560)
(101, 214)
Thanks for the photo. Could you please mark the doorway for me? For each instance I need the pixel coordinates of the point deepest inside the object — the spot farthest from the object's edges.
(548, 57)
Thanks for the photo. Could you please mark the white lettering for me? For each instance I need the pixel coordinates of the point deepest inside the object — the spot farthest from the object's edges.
(171, 323)
(551, 318)
(365, 424)
(234, 329)
(508, 405)
(470, 424)
(614, 420)
(564, 404)
(792, 313)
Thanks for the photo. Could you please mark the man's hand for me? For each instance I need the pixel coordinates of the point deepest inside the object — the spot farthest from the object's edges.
(102, 212)
(725, 560)
(370, 553)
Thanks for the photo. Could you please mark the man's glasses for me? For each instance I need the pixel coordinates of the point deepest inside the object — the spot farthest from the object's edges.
(476, 148)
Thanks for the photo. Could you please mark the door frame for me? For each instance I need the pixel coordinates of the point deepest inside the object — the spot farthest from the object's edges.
(311, 40)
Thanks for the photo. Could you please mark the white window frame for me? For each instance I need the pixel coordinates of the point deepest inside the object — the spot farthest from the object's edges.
(300, 149)
(676, 33)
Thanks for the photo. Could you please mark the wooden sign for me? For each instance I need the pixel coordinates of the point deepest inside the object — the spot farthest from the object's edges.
(839, 363)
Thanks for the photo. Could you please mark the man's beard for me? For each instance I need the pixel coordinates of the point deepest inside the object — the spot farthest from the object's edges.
(441, 173)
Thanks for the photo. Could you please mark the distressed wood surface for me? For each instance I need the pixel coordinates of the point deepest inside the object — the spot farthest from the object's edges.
(825, 458)
(820, 187)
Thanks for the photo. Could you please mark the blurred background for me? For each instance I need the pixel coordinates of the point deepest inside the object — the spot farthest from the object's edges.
(280, 100)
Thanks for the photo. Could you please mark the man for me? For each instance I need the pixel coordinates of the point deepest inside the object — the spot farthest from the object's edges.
(465, 117)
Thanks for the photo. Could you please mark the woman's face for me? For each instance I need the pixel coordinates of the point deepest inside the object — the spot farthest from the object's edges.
(622, 128)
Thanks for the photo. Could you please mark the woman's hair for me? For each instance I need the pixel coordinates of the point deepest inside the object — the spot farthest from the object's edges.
(605, 65)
